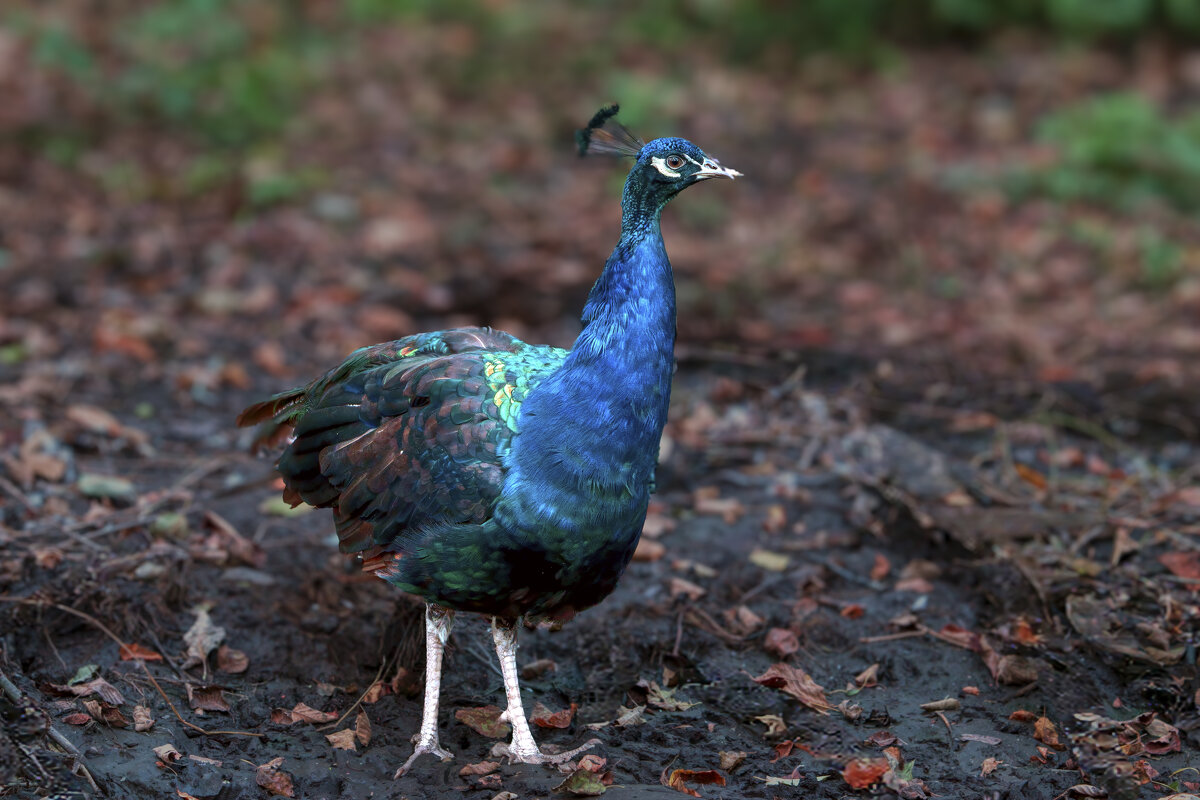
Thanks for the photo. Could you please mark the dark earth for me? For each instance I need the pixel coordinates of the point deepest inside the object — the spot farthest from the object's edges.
(926, 447)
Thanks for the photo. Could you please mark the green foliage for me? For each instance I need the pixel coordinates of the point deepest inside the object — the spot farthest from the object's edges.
(1119, 150)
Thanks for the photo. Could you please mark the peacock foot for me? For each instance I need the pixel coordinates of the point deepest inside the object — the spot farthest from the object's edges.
(532, 755)
(423, 748)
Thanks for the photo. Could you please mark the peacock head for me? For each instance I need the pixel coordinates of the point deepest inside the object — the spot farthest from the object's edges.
(662, 169)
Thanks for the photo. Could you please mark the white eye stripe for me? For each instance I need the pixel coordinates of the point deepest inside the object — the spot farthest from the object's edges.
(660, 164)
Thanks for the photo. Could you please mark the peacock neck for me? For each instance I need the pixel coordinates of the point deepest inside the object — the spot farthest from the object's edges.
(629, 318)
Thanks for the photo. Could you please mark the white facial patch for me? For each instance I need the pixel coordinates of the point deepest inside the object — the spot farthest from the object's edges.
(660, 164)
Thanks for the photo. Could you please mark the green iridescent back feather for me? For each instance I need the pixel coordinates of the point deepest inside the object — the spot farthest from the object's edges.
(407, 434)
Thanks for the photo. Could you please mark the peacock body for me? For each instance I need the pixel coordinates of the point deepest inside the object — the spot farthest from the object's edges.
(493, 476)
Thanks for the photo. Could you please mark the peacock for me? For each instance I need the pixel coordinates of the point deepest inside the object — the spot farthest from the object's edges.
(492, 476)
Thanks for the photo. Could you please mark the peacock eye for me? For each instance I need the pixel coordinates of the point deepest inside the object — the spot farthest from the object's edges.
(674, 161)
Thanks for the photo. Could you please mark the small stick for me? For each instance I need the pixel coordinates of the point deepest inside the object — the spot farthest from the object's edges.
(891, 637)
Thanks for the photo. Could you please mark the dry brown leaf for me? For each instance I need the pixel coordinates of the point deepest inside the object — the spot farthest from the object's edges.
(362, 728)
(545, 718)
(678, 587)
(342, 740)
(881, 568)
(207, 698)
(948, 704)
(201, 639)
(680, 777)
(868, 677)
(1045, 732)
(480, 768)
(142, 721)
(302, 712)
(231, 661)
(989, 766)
(863, 773)
(649, 551)
(731, 760)
(797, 683)
(775, 725)
(131, 652)
(167, 753)
(781, 642)
(270, 777)
(1021, 715)
(485, 721)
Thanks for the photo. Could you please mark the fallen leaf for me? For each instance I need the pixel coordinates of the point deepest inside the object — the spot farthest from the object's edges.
(302, 712)
(678, 587)
(376, 692)
(863, 773)
(544, 718)
(78, 718)
(592, 763)
(731, 760)
(783, 749)
(231, 661)
(167, 753)
(362, 728)
(776, 519)
(484, 720)
(582, 783)
(971, 690)
(881, 568)
(774, 723)
(231, 540)
(948, 704)
(883, 738)
(979, 737)
(270, 777)
(649, 551)
(342, 740)
(664, 699)
(797, 683)
(957, 635)
(207, 698)
(1021, 715)
(480, 768)
(142, 721)
(131, 652)
(989, 766)
(769, 560)
(680, 777)
(537, 668)
(868, 678)
(106, 487)
(1084, 790)
(1185, 565)
(201, 639)
(742, 620)
(781, 642)
(1045, 732)
(852, 611)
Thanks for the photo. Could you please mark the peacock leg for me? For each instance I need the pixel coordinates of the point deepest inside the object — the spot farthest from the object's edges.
(523, 749)
(438, 622)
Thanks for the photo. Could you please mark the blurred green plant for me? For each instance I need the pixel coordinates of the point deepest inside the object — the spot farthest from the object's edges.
(1118, 150)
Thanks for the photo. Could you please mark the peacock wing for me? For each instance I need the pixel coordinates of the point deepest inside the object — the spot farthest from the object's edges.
(408, 434)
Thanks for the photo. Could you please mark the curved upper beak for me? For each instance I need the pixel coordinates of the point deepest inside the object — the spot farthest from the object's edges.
(711, 168)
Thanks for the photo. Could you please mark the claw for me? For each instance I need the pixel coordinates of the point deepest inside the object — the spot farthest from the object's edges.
(427, 748)
(518, 755)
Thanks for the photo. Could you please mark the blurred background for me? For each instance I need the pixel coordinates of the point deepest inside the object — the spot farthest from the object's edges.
(204, 199)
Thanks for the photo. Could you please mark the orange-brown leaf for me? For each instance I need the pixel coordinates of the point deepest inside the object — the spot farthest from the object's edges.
(863, 773)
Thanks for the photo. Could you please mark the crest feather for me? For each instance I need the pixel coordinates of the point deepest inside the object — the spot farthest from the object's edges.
(604, 134)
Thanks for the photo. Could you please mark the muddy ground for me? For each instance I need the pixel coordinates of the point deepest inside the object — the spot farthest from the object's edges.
(926, 447)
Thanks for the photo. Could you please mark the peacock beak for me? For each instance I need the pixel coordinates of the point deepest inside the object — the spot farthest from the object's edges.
(711, 168)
